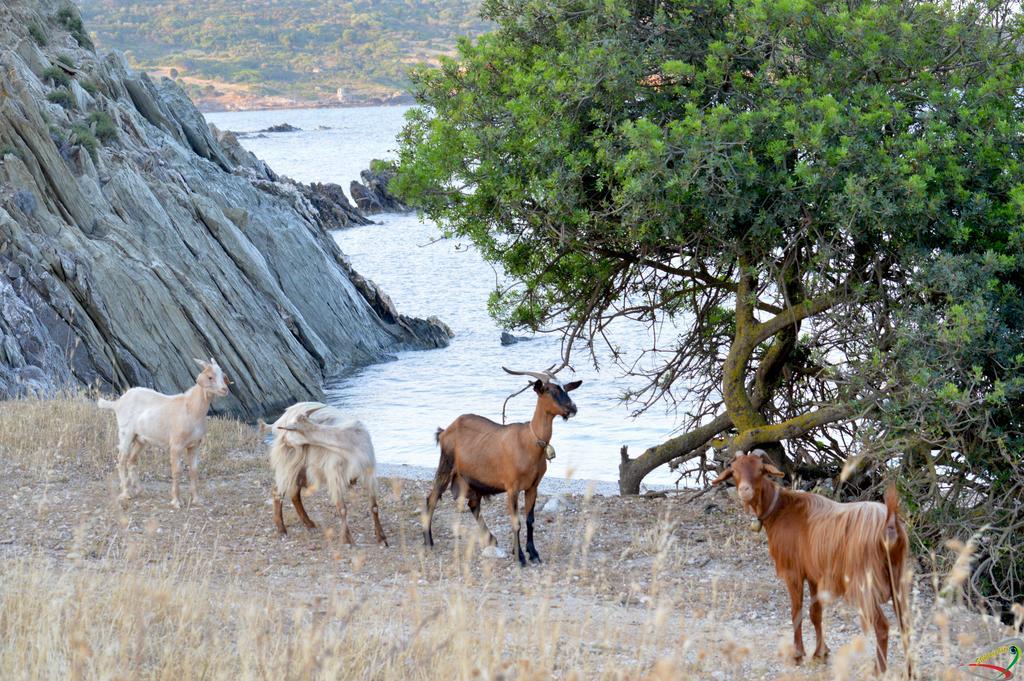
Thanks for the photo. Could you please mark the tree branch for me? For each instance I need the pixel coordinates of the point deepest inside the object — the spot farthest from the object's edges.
(794, 427)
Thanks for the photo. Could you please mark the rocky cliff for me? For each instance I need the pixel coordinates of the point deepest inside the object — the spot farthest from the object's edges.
(133, 237)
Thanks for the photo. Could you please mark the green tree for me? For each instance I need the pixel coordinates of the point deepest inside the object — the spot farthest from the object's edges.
(788, 182)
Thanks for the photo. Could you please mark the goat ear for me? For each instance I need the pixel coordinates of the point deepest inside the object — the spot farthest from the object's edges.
(538, 387)
(572, 385)
(772, 471)
(726, 474)
(200, 362)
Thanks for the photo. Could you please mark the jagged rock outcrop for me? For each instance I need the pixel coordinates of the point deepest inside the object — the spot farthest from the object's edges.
(372, 195)
(132, 238)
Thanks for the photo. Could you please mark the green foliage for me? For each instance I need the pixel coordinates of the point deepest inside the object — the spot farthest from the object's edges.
(62, 97)
(82, 135)
(293, 47)
(67, 60)
(959, 362)
(89, 86)
(37, 34)
(862, 157)
(67, 16)
(6, 149)
(382, 166)
(57, 76)
(102, 125)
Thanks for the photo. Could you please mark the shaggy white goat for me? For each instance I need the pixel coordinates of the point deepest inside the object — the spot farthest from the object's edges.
(178, 422)
(315, 444)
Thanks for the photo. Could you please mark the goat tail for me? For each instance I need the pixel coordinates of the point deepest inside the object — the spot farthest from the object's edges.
(892, 511)
(105, 404)
(437, 436)
(894, 557)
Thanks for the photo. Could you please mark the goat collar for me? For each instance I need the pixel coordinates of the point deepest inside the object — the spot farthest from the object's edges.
(772, 506)
(546, 447)
(540, 443)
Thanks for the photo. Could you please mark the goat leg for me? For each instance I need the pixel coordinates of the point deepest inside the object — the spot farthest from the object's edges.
(278, 515)
(300, 509)
(443, 478)
(176, 452)
(193, 474)
(473, 500)
(346, 535)
(820, 649)
(531, 502)
(881, 625)
(279, 519)
(133, 473)
(123, 452)
(513, 513)
(796, 602)
(378, 531)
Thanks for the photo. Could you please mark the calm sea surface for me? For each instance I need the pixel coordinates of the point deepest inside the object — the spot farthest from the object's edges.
(404, 401)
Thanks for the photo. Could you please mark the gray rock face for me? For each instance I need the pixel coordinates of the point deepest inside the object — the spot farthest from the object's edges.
(372, 195)
(122, 256)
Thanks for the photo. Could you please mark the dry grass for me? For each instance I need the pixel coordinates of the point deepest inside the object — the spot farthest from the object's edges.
(70, 433)
(631, 589)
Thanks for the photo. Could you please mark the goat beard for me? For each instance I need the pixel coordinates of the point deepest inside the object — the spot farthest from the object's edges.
(748, 506)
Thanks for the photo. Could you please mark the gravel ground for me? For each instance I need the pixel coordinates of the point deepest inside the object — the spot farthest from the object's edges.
(641, 578)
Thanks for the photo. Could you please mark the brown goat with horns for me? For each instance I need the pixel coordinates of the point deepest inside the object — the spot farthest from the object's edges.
(481, 458)
(851, 550)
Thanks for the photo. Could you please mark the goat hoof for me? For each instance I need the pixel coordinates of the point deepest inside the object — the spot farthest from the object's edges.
(535, 559)
(196, 501)
(822, 655)
(176, 503)
(798, 659)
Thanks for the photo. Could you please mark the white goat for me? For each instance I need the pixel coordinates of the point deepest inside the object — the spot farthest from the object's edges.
(178, 422)
(315, 444)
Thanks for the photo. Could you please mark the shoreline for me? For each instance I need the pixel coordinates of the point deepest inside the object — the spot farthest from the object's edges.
(549, 486)
(303, 107)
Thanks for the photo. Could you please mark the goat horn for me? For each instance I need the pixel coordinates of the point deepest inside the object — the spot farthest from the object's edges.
(541, 376)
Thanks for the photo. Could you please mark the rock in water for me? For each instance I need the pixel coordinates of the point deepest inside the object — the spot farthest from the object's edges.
(372, 196)
(509, 339)
(132, 239)
(281, 127)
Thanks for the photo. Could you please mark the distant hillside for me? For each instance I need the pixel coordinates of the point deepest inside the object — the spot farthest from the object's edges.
(260, 53)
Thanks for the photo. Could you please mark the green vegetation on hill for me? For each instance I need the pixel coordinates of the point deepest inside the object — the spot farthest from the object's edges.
(300, 49)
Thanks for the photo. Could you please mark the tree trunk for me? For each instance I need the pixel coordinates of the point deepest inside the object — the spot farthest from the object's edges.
(633, 471)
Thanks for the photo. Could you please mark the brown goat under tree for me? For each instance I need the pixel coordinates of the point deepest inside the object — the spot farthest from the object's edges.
(480, 458)
(854, 551)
